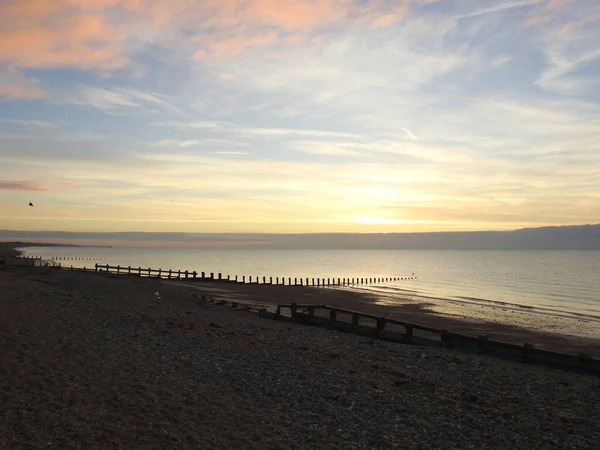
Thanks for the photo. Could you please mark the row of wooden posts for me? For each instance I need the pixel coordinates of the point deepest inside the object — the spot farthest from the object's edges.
(386, 328)
(65, 258)
(193, 275)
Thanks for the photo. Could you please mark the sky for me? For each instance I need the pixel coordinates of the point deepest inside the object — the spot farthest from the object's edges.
(298, 116)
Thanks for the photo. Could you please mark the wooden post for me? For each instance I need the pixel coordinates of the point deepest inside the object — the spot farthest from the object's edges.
(212, 276)
(527, 350)
(339, 282)
(584, 359)
(271, 280)
(236, 278)
(139, 270)
(243, 278)
(300, 281)
(186, 274)
(481, 343)
(295, 281)
(219, 275)
(355, 320)
(228, 278)
(96, 267)
(159, 272)
(129, 270)
(149, 272)
(313, 282)
(380, 326)
(307, 282)
(264, 280)
(446, 339)
(118, 269)
(276, 280)
(170, 274)
(203, 275)
(332, 314)
(293, 308)
(195, 274)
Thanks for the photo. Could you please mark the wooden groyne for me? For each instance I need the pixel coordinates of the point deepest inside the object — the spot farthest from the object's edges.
(412, 333)
(394, 330)
(212, 277)
(64, 258)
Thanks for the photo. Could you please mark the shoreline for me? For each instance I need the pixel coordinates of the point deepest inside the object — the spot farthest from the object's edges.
(443, 303)
(552, 332)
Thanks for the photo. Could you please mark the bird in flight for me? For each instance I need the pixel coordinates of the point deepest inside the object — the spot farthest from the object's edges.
(30, 204)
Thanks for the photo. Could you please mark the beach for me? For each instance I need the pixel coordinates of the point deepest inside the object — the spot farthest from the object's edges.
(98, 361)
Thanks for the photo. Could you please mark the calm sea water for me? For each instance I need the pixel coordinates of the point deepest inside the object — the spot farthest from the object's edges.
(555, 282)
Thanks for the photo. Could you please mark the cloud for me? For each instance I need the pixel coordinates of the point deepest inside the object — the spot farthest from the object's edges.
(502, 60)
(567, 33)
(23, 185)
(53, 34)
(231, 129)
(115, 100)
(105, 34)
(27, 123)
(500, 7)
(15, 85)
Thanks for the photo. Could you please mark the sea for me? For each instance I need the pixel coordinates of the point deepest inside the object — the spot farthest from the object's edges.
(472, 284)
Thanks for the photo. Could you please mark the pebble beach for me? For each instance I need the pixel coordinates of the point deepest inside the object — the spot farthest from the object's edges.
(94, 361)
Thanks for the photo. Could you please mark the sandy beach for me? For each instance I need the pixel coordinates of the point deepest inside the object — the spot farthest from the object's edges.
(93, 361)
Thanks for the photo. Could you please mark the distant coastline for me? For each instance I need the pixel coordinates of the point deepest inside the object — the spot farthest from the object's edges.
(571, 237)
(11, 248)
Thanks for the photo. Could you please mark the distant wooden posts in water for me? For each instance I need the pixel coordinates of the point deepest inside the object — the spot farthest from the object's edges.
(280, 281)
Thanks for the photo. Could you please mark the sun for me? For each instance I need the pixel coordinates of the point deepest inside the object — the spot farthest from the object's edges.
(381, 221)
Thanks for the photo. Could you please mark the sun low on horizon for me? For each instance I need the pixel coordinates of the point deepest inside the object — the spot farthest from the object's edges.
(298, 116)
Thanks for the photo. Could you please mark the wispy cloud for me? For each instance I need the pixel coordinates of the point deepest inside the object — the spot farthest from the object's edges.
(16, 85)
(499, 7)
(23, 185)
(114, 100)
(28, 123)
